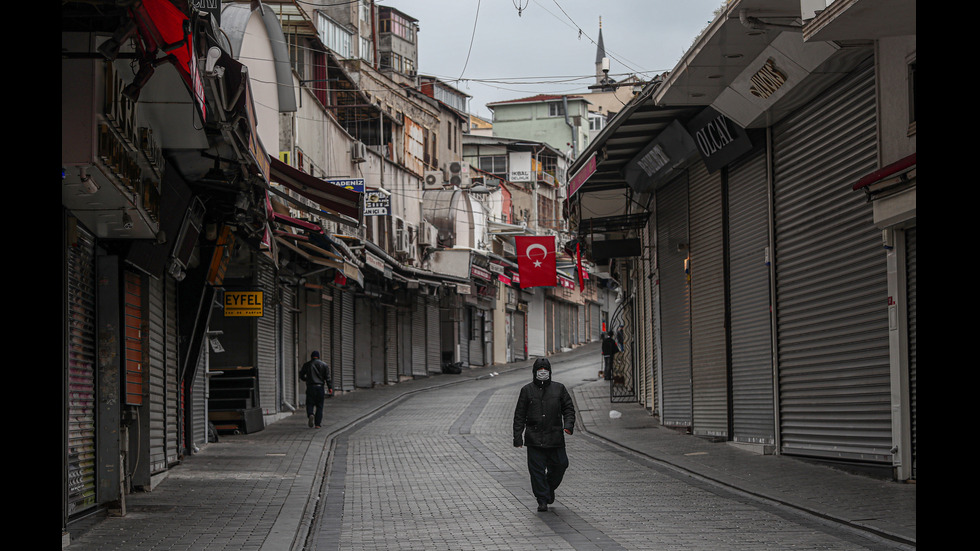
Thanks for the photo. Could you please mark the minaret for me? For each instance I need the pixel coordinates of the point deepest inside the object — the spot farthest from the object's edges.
(601, 61)
(602, 65)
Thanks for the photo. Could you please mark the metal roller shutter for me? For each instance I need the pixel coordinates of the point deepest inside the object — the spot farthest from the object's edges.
(672, 241)
(831, 288)
(289, 370)
(157, 377)
(709, 352)
(81, 357)
(266, 336)
(518, 331)
(476, 337)
(337, 339)
(433, 341)
(326, 335)
(391, 344)
(418, 337)
(348, 340)
(172, 400)
(364, 328)
(199, 419)
(654, 320)
(751, 324)
(910, 282)
(596, 322)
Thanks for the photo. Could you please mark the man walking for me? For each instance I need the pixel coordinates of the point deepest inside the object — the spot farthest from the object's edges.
(316, 374)
(609, 350)
(543, 416)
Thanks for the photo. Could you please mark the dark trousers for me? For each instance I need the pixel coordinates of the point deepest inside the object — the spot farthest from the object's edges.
(314, 403)
(607, 363)
(547, 467)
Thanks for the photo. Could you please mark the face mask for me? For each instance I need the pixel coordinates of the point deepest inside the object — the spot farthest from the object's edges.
(542, 374)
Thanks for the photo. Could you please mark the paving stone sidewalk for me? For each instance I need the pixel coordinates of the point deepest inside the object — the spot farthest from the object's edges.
(259, 491)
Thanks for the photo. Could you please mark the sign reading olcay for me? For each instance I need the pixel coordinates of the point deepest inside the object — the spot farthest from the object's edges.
(714, 137)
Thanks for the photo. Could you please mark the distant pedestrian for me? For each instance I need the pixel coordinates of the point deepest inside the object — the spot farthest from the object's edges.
(619, 337)
(316, 374)
(543, 416)
(609, 350)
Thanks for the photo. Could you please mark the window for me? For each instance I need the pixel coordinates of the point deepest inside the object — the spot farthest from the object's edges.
(597, 121)
(334, 36)
(390, 22)
(494, 164)
(911, 71)
(556, 109)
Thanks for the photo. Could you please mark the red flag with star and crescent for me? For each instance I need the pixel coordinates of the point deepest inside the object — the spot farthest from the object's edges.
(536, 260)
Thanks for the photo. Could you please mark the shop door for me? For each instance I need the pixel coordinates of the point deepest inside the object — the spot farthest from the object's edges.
(910, 273)
(81, 358)
(266, 339)
(433, 336)
(672, 248)
(831, 286)
(749, 291)
(709, 352)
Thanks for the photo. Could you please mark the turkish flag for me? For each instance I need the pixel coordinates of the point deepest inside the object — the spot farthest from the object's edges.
(582, 276)
(536, 261)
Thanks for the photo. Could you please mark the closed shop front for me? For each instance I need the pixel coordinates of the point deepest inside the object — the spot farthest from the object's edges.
(364, 329)
(709, 354)
(910, 283)
(267, 335)
(289, 371)
(419, 315)
(348, 340)
(672, 249)
(830, 277)
(433, 339)
(391, 343)
(518, 330)
(81, 358)
(162, 374)
(753, 416)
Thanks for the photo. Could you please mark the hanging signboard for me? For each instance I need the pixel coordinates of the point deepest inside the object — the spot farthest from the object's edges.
(243, 304)
(353, 184)
(377, 204)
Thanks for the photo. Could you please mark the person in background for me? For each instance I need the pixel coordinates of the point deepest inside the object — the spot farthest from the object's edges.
(609, 349)
(543, 416)
(316, 374)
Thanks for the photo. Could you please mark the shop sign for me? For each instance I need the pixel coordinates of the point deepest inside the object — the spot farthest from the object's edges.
(377, 204)
(243, 304)
(374, 262)
(353, 184)
(463, 288)
(720, 141)
(479, 272)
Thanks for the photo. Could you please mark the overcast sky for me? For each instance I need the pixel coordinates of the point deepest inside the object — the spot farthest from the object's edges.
(490, 50)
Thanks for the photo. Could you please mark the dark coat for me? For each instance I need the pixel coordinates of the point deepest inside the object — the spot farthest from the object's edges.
(316, 372)
(609, 347)
(541, 415)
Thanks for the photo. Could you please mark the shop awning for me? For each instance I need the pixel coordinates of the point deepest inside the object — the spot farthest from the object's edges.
(895, 173)
(340, 200)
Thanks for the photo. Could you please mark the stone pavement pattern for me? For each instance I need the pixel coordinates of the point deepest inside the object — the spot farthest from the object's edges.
(412, 468)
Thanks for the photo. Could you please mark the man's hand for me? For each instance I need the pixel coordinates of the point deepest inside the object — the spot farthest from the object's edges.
(568, 431)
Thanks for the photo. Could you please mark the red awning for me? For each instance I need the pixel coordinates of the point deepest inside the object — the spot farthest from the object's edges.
(340, 200)
(886, 172)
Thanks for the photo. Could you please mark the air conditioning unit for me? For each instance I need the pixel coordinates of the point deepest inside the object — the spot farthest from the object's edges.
(402, 241)
(428, 235)
(358, 152)
(433, 179)
(459, 174)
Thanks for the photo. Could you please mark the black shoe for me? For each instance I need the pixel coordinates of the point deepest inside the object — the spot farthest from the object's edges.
(310, 421)
(551, 499)
(542, 505)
